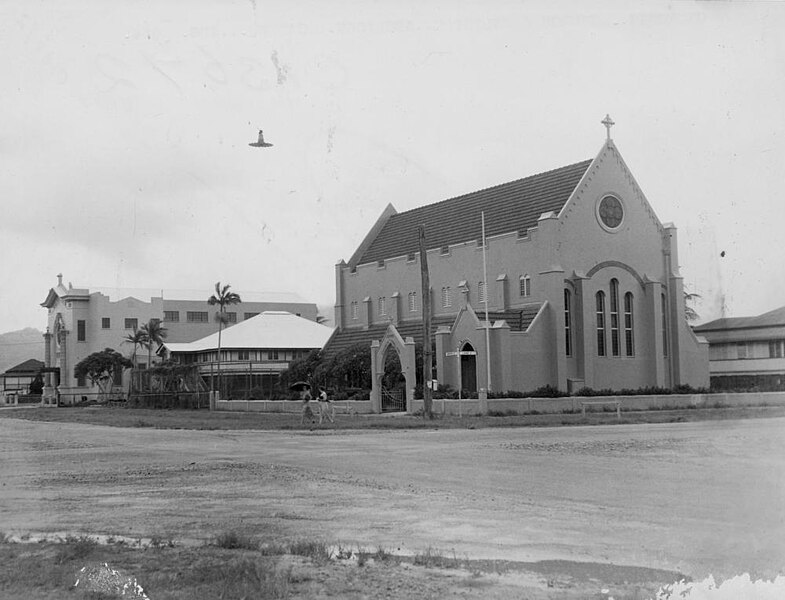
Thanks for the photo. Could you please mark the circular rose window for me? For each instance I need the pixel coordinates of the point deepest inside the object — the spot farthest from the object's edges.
(611, 212)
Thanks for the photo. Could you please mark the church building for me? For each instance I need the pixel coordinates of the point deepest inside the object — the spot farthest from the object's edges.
(578, 278)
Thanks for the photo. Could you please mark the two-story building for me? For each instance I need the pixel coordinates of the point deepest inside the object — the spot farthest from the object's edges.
(747, 353)
(253, 353)
(81, 322)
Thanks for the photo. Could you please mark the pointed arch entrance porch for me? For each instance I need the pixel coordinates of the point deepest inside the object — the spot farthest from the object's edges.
(392, 340)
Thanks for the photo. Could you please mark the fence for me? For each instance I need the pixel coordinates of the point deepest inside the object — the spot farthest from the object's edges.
(184, 400)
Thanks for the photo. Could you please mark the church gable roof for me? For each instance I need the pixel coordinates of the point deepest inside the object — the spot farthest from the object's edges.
(509, 207)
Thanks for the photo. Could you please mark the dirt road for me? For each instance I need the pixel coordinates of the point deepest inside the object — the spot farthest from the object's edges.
(700, 498)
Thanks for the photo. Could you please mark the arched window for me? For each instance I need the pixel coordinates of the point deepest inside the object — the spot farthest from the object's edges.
(600, 300)
(412, 301)
(355, 310)
(481, 292)
(615, 341)
(382, 306)
(567, 322)
(629, 339)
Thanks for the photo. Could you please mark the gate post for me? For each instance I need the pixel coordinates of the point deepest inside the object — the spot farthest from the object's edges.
(376, 379)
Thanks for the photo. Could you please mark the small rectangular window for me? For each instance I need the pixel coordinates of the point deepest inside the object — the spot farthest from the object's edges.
(197, 317)
(80, 331)
(242, 355)
(171, 316)
(355, 311)
(231, 317)
(411, 257)
(776, 348)
(481, 292)
(380, 263)
(131, 324)
(272, 355)
(106, 323)
(80, 381)
(444, 250)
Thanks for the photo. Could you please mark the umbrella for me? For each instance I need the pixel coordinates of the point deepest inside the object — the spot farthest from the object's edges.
(299, 386)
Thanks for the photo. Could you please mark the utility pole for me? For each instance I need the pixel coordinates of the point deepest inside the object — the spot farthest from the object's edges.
(427, 353)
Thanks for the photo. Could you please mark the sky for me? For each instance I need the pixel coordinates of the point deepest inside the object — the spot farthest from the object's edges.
(124, 157)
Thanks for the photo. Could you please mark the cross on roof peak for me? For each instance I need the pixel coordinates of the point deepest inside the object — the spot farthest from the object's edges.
(608, 122)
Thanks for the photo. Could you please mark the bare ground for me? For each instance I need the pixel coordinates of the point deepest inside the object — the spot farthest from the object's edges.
(579, 508)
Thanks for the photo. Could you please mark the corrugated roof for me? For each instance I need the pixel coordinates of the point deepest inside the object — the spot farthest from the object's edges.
(509, 207)
(270, 329)
(773, 318)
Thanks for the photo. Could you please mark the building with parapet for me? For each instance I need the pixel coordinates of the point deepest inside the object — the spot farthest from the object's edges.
(582, 288)
(81, 321)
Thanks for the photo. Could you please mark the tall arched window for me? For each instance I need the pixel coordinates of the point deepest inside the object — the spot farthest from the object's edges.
(600, 303)
(567, 322)
(629, 339)
(382, 306)
(615, 341)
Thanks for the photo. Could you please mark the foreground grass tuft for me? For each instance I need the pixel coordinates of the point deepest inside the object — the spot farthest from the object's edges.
(317, 551)
(234, 540)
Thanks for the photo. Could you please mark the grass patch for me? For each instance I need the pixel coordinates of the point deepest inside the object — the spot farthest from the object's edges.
(234, 540)
(205, 420)
(433, 558)
(317, 551)
(75, 549)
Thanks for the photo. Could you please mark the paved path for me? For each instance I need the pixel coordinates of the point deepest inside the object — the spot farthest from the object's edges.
(702, 498)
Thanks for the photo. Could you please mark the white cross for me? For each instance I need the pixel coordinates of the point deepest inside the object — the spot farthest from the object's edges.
(608, 122)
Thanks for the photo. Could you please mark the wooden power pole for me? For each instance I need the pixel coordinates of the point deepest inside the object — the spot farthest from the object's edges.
(427, 352)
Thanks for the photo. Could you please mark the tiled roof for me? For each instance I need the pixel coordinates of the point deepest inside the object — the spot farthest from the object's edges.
(518, 319)
(509, 207)
(31, 365)
(345, 338)
(773, 318)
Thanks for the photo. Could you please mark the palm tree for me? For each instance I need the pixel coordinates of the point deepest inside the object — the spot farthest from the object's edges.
(223, 298)
(137, 338)
(154, 333)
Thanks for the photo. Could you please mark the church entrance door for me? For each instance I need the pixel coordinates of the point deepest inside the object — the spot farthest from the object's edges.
(468, 369)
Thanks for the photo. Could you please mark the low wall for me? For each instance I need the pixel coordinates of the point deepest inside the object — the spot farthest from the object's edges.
(354, 407)
(471, 406)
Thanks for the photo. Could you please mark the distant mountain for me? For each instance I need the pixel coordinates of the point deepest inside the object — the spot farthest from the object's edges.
(18, 346)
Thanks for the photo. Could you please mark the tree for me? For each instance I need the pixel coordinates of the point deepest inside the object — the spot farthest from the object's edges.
(154, 334)
(689, 312)
(139, 339)
(100, 368)
(223, 298)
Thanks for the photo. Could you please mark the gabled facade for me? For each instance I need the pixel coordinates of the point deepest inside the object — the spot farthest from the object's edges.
(747, 353)
(583, 284)
(81, 322)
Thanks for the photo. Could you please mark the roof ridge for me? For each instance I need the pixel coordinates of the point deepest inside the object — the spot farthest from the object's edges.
(493, 187)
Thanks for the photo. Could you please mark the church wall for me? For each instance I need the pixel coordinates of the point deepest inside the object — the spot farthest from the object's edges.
(532, 357)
